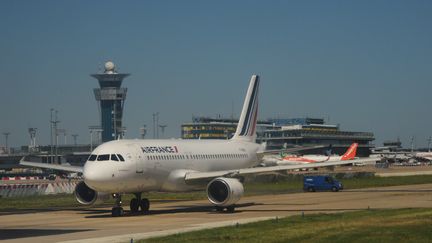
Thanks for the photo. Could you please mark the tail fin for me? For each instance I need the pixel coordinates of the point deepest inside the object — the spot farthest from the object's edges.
(246, 128)
(351, 152)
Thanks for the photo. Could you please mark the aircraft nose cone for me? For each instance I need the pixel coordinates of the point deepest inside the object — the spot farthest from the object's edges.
(95, 177)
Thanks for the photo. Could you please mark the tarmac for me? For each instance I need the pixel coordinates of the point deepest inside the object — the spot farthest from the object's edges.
(97, 225)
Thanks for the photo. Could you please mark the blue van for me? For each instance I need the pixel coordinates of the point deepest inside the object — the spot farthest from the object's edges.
(321, 183)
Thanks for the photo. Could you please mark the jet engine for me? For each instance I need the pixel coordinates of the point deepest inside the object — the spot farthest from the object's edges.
(224, 191)
(87, 196)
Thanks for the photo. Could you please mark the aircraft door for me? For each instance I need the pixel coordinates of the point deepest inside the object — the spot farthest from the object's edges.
(136, 158)
(140, 161)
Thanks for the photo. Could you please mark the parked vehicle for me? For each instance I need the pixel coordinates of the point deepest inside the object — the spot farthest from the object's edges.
(321, 183)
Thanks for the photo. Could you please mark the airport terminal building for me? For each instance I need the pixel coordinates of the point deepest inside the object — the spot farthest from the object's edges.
(213, 128)
(285, 133)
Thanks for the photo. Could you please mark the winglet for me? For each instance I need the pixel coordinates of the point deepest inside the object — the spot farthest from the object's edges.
(246, 128)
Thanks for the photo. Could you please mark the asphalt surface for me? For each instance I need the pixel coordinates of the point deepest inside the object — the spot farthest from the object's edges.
(97, 225)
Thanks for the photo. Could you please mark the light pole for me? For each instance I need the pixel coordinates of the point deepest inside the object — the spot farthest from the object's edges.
(98, 131)
(6, 134)
(155, 125)
(162, 127)
(75, 139)
(54, 128)
(412, 144)
(51, 135)
(429, 143)
(143, 131)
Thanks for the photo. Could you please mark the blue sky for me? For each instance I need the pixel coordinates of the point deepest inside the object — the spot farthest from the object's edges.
(363, 64)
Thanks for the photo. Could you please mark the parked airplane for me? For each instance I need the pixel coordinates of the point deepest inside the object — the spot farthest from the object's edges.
(424, 155)
(136, 166)
(284, 159)
(312, 158)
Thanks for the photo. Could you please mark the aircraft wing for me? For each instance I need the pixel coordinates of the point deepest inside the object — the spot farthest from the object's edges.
(290, 150)
(68, 168)
(198, 176)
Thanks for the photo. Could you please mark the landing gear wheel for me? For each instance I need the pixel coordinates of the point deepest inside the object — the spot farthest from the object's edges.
(230, 209)
(117, 211)
(134, 205)
(144, 205)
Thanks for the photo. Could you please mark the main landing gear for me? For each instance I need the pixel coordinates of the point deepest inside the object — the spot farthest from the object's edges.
(137, 204)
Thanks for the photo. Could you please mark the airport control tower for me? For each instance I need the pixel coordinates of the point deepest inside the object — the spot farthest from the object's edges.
(111, 99)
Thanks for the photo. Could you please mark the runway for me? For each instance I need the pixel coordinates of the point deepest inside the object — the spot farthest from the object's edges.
(97, 225)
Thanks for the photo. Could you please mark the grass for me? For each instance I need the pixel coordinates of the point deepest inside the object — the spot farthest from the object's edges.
(295, 184)
(396, 225)
(36, 202)
(280, 186)
(365, 182)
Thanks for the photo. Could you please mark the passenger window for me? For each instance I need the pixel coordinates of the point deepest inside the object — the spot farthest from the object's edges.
(114, 157)
(103, 157)
(120, 157)
(92, 157)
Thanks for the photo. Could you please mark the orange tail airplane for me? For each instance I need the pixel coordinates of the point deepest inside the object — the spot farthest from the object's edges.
(349, 155)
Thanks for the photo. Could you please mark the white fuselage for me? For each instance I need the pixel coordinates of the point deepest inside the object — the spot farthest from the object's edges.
(424, 155)
(161, 165)
(309, 159)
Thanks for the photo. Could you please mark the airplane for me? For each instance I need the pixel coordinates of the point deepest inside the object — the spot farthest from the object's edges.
(424, 155)
(169, 165)
(349, 155)
(284, 159)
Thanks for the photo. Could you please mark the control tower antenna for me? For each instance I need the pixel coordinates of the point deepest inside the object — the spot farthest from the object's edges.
(111, 98)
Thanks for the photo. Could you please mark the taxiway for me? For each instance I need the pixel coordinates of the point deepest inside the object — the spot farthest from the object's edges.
(97, 225)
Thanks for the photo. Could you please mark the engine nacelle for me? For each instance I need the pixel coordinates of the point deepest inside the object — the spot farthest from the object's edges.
(224, 191)
(87, 196)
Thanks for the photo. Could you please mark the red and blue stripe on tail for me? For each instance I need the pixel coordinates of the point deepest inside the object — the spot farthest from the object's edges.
(246, 128)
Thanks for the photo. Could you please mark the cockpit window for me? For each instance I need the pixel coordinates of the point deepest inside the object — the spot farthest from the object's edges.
(120, 157)
(92, 157)
(114, 157)
(103, 157)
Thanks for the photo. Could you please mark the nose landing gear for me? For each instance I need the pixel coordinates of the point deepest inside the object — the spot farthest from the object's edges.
(117, 210)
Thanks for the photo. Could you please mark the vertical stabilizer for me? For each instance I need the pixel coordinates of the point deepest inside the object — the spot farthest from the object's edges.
(246, 128)
(351, 152)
